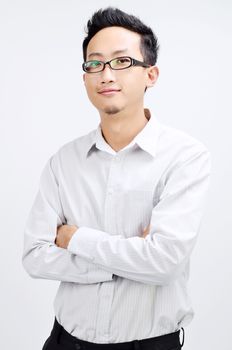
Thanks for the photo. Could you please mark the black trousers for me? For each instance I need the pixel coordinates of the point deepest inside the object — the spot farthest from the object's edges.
(60, 339)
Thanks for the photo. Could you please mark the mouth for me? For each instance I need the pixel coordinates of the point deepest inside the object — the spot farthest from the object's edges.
(108, 92)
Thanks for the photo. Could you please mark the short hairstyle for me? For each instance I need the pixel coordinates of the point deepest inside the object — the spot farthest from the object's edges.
(112, 16)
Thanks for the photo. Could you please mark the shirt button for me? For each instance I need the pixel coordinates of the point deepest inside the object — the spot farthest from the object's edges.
(77, 346)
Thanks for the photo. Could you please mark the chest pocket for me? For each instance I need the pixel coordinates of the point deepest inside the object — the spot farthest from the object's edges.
(135, 208)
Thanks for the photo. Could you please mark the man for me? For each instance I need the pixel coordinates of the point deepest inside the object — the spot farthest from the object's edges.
(118, 210)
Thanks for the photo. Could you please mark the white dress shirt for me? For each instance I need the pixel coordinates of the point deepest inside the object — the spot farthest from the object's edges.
(115, 285)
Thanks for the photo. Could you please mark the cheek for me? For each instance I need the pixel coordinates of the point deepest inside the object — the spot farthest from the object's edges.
(136, 86)
(135, 80)
(90, 89)
(88, 85)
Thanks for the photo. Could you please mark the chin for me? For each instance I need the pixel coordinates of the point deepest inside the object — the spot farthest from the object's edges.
(111, 110)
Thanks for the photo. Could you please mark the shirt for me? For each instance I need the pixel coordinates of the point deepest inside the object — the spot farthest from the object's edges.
(117, 286)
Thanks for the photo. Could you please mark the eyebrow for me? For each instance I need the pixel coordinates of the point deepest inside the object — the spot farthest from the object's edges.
(117, 52)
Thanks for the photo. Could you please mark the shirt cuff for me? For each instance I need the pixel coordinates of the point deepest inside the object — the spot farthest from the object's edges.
(84, 242)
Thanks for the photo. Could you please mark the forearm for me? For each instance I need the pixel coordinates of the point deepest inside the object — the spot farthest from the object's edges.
(47, 261)
(143, 260)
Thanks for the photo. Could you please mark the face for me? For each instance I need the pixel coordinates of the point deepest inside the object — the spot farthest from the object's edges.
(128, 84)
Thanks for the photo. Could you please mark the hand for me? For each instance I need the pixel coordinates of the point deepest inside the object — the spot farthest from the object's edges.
(64, 234)
(146, 231)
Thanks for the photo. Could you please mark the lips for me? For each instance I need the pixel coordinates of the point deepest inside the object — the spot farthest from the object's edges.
(108, 91)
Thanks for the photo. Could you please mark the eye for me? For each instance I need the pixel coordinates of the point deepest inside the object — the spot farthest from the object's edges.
(92, 65)
(123, 60)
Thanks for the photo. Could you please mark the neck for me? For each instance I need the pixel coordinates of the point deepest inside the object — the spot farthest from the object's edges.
(121, 128)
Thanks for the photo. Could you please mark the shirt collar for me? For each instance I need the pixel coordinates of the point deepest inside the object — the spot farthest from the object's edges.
(146, 139)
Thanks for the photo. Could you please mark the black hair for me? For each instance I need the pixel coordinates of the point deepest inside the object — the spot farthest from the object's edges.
(112, 16)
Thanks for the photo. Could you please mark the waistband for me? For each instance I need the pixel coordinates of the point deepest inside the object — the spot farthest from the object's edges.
(161, 342)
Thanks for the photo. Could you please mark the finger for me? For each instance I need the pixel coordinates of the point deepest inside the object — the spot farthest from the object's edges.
(144, 233)
(146, 230)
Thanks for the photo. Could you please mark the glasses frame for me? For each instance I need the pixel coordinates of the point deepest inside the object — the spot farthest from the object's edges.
(134, 62)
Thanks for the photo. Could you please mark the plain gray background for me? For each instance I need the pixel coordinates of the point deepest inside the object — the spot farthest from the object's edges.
(44, 105)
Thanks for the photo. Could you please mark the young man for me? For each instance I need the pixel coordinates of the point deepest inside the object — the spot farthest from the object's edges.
(118, 210)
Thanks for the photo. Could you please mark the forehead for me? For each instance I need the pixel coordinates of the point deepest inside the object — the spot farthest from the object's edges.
(114, 40)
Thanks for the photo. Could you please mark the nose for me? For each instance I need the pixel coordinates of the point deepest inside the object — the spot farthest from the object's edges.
(107, 75)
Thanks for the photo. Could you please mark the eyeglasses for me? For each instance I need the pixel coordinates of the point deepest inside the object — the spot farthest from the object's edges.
(118, 63)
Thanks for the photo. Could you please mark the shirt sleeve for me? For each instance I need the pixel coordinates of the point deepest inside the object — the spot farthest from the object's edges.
(175, 221)
(41, 257)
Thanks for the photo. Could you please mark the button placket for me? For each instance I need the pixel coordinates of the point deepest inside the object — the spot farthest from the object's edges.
(112, 219)
(107, 288)
(110, 185)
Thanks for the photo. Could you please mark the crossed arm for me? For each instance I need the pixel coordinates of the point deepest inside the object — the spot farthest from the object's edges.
(53, 250)
(65, 233)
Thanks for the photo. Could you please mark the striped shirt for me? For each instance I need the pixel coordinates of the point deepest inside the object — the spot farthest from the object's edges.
(117, 286)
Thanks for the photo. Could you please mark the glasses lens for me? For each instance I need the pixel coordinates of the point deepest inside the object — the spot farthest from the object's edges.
(93, 66)
(120, 63)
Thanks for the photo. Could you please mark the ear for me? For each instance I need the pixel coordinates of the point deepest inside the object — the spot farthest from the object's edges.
(152, 76)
